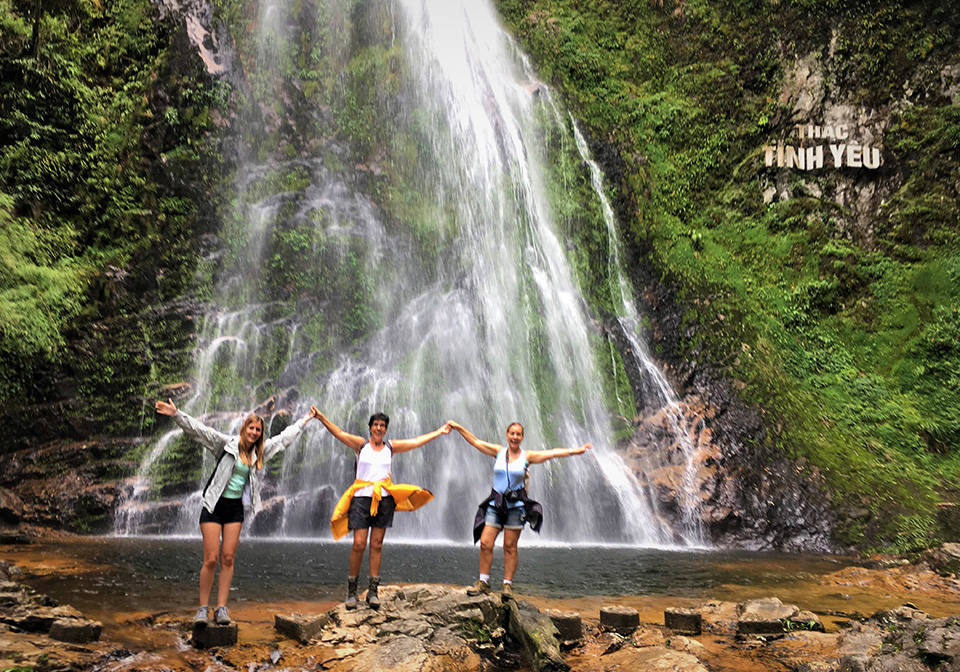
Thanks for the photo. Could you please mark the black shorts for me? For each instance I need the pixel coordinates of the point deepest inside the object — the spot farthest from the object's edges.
(226, 511)
(359, 517)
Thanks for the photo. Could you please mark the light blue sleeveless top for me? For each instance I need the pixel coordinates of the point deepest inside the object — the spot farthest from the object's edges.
(509, 476)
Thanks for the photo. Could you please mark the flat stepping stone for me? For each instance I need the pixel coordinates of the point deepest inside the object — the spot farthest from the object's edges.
(621, 620)
(752, 624)
(75, 631)
(686, 621)
(300, 627)
(208, 635)
(568, 624)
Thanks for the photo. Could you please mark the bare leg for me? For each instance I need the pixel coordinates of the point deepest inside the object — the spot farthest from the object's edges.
(211, 553)
(231, 537)
(510, 557)
(488, 538)
(356, 553)
(376, 548)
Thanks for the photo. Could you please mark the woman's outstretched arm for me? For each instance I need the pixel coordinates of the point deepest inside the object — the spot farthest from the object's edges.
(490, 449)
(284, 439)
(538, 456)
(351, 441)
(403, 445)
(208, 437)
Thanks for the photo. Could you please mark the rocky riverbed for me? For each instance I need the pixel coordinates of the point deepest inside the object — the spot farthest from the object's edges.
(434, 627)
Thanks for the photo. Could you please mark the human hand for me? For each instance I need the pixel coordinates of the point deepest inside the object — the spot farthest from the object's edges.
(582, 449)
(454, 425)
(315, 412)
(166, 407)
(446, 428)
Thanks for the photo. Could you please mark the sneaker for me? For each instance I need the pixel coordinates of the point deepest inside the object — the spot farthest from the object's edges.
(506, 593)
(480, 587)
(220, 616)
(203, 615)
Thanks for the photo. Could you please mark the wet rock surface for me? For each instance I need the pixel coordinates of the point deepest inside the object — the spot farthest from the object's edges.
(694, 458)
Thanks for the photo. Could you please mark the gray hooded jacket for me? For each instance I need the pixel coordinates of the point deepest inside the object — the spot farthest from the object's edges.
(227, 451)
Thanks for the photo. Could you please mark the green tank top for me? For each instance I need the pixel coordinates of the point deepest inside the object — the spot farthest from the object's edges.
(238, 479)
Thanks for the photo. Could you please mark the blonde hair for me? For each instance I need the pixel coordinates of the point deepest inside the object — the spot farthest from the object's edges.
(247, 450)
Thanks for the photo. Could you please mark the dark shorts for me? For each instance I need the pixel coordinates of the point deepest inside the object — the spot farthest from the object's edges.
(226, 511)
(359, 517)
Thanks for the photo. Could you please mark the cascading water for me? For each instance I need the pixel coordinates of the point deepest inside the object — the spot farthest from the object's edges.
(464, 306)
(658, 391)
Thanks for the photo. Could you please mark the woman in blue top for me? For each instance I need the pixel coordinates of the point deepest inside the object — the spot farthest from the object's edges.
(508, 507)
(239, 462)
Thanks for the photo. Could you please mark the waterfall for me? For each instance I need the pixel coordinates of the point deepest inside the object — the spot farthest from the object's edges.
(447, 294)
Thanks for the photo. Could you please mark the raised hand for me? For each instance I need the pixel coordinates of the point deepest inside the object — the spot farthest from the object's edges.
(166, 407)
(582, 449)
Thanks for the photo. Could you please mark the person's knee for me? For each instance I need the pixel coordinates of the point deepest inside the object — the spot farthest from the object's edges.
(210, 562)
(359, 545)
(226, 560)
(376, 545)
(486, 546)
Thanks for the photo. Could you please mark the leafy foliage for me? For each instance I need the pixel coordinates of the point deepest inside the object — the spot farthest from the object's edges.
(847, 341)
(101, 129)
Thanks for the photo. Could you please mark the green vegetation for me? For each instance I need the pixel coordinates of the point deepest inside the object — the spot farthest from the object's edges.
(843, 326)
(100, 128)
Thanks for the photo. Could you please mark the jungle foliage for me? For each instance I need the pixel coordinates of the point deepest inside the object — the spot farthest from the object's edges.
(93, 159)
(845, 333)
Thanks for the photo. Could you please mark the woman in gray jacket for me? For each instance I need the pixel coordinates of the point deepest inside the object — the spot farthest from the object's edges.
(236, 475)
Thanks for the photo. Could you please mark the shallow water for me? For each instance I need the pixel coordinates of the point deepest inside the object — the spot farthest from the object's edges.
(127, 583)
(128, 572)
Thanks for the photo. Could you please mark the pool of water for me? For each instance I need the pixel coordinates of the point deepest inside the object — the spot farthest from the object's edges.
(161, 573)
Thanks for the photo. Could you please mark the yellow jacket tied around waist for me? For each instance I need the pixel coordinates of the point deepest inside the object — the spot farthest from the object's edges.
(407, 498)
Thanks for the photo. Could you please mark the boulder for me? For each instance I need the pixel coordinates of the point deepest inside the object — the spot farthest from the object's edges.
(537, 634)
(945, 559)
(11, 507)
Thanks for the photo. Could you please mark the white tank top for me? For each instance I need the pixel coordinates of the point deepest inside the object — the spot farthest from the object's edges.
(373, 465)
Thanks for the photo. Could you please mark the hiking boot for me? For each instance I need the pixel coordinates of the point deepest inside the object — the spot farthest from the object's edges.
(221, 617)
(506, 593)
(480, 587)
(373, 600)
(351, 602)
(203, 615)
